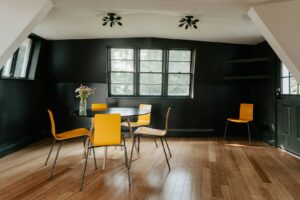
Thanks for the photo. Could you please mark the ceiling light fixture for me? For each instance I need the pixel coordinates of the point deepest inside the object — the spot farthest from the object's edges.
(188, 22)
(112, 19)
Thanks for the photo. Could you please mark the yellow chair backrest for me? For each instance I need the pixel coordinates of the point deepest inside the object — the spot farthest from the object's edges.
(246, 111)
(107, 129)
(167, 118)
(145, 118)
(99, 106)
(53, 130)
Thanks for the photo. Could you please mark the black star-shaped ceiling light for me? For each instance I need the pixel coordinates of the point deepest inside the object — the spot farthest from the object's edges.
(112, 19)
(188, 22)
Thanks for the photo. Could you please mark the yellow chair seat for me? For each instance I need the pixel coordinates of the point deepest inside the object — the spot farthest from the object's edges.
(136, 124)
(72, 134)
(150, 131)
(238, 120)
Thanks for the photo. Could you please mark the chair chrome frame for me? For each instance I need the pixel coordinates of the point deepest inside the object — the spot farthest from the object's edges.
(125, 155)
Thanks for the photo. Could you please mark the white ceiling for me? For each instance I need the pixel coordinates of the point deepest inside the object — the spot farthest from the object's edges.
(220, 20)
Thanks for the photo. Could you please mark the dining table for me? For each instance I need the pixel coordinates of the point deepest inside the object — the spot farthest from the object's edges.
(125, 112)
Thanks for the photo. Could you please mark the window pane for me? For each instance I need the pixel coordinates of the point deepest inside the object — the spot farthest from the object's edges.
(121, 89)
(7, 67)
(22, 59)
(179, 55)
(121, 65)
(285, 86)
(150, 78)
(183, 67)
(151, 66)
(149, 54)
(179, 79)
(150, 90)
(284, 71)
(121, 54)
(293, 86)
(178, 90)
(122, 78)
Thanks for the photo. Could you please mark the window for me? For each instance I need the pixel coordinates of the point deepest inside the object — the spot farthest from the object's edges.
(289, 84)
(150, 76)
(122, 72)
(179, 73)
(17, 65)
(150, 72)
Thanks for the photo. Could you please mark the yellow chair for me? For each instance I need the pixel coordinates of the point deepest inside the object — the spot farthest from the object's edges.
(95, 107)
(99, 106)
(143, 120)
(107, 132)
(80, 132)
(246, 117)
(156, 133)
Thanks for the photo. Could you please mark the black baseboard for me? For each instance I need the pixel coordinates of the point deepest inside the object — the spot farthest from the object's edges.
(191, 133)
(12, 146)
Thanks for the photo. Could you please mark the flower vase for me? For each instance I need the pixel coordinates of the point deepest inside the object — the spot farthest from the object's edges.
(82, 107)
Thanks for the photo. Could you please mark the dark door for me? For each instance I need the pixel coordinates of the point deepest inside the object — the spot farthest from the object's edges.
(288, 116)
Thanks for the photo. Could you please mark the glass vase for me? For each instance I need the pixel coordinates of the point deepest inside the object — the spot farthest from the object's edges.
(82, 107)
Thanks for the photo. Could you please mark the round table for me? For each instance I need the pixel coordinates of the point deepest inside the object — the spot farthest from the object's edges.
(124, 112)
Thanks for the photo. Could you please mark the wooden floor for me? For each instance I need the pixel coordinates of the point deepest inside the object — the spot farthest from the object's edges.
(201, 169)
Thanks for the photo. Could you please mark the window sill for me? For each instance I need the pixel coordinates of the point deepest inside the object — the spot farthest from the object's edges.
(15, 79)
(150, 97)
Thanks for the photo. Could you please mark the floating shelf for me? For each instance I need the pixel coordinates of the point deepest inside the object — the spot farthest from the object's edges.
(246, 77)
(249, 60)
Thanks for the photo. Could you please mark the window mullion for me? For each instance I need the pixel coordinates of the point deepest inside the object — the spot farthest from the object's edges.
(136, 73)
(165, 73)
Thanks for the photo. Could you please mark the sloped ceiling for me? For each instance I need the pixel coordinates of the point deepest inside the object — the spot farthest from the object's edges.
(279, 24)
(220, 20)
(17, 22)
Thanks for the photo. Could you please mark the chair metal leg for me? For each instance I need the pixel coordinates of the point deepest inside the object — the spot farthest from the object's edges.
(249, 133)
(168, 146)
(95, 163)
(83, 140)
(139, 140)
(83, 173)
(162, 143)
(50, 177)
(50, 152)
(126, 163)
(225, 130)
(155, 142)
(133, 143)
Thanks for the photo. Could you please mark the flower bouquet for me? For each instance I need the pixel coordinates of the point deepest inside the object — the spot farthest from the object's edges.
(83, 93)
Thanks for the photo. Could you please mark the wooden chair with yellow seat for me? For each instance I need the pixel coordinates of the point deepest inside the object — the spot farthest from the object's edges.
(245, 117)
(106, 132)
(143, 120)
(61, 137)
(156, 133)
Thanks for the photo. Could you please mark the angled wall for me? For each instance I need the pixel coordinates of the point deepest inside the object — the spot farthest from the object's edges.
(17, 20)
(280, 26)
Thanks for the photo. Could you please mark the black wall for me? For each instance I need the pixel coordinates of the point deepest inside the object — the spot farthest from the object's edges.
(64, 65)
(72, 62)
(23, 110)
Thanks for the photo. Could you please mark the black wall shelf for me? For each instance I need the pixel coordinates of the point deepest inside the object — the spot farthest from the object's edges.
(246, 69)
(248, 60)
(246, 77)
